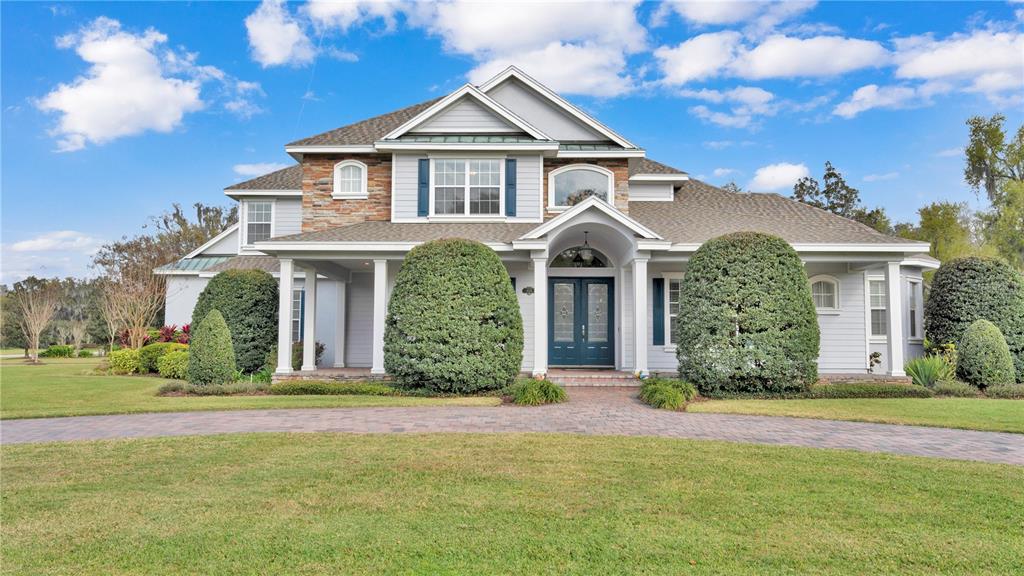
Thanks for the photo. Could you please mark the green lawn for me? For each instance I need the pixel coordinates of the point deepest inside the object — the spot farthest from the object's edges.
(969, 413)
(69, 388)
(490, 504)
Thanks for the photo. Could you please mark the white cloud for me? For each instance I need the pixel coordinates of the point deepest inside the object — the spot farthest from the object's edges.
(567, 68)
(343, 14)
(342, 55)
(749, 101)
(950, 153)
(777, 176)
(881, 177)
(58, 253)
(715, 13)
(125, 90)
(987, 61)
(720, 172)
(258, 168)
(759, 16)
(892, 97)
(727, 119)
(276, 38)
(724, 54)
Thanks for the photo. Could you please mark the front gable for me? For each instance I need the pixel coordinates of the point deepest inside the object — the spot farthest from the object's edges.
(466, 116)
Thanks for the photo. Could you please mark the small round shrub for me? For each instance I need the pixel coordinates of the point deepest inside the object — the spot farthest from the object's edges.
(746, 320)
(1006, 391)
(125, 361)
(173, 365)
(151, 353)
(969, 289)
(85, 354)
(248, 301)
(211, 359)
(453, 321)
(956, 389)
(537, 392)
(984, 358)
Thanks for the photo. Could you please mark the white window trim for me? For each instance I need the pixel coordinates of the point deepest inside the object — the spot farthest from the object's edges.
(915, 288)
(665, 308)
(466, 216)
(610, 200)
(872, 338)
(243, 232)
(835, 310)
(337, 194)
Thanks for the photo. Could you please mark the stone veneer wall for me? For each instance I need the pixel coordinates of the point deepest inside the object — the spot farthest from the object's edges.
(618, 166)
(320, 211)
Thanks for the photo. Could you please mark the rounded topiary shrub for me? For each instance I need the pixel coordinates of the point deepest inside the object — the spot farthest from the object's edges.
(248, 300)
(746, 320)
(453, 321)
(150, 354)
(984, 358)
(210, 358)
(969, 289)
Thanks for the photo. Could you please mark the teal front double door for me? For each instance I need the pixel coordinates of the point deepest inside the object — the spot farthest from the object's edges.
(581, 322)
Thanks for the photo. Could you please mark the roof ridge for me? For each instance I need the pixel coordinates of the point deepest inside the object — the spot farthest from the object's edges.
(851, 220)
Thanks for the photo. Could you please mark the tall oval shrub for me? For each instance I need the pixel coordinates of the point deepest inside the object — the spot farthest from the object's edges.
(210, 358)
(453, 321)
(746, 320)
(984, 358)
(248, 301)
(969, 289)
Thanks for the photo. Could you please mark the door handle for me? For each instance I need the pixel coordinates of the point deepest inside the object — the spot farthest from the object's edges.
(584, 326)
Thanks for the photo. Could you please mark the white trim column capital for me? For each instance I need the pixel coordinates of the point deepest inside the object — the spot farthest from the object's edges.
(284, 317)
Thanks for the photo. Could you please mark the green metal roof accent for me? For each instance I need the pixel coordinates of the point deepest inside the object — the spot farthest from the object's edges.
(467, 138)
(197, 264)
(588, 147)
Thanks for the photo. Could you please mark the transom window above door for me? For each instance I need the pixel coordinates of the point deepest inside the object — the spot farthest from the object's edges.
(570, 185)
(467, 187)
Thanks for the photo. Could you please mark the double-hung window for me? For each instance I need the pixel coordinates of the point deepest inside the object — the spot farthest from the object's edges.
(672, 292)
(297, 309)
(879, 302)
(467, 187)
(258, 217)
(913, 308)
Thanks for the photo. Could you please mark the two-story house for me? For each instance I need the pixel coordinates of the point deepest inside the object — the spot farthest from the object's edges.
(595, 236)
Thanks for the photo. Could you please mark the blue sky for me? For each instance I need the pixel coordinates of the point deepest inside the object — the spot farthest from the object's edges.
(112, 111)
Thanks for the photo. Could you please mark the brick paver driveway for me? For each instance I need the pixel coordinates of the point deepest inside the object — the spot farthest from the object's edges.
(589, 411)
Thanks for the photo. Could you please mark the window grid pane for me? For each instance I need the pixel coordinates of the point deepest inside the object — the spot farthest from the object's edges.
(878, 302)
(296, 315)
(673, 309)
(258, 215)
(351, 179)
(824, 294)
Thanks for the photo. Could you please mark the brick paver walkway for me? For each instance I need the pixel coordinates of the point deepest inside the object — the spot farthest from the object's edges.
(604, 411)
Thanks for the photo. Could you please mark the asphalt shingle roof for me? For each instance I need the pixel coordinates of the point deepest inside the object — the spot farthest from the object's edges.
(266, 263)
(414, 232)
(648, 166)
(289, 178)
(365, 132)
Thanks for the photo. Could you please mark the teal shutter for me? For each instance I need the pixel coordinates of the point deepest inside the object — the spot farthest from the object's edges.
(659, 311)
(510, 187)
(423, 197)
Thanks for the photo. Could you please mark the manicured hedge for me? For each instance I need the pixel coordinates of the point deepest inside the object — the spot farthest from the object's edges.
(984, 358)
(453, 321)
(1006, 391)
(173, 365)
(969, 289)
(302, 387)
(956, 389)
(151, 353)
(529, 392)
(248, 301)
(210, 358)
(746, 320)
(125, 361)
(868, 390)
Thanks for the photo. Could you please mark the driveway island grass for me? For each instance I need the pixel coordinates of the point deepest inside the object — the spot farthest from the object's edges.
(966, 413)
(499, 504)
(69, 387)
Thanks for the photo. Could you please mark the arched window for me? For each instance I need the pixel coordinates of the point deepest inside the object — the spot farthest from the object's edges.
(570, 185)
(825, 293)
(580, 257)
(349, 179)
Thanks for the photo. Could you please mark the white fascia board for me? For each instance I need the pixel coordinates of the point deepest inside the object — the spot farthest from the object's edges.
(239, 193)
(212, 241)
(288, 247)
(601, 154)
(344, 149)
(930, 264)
(497, 146)
(901, 248)
(558, 101)
(473, 92)
(653, 244)
(598, 204)
(679, 177)
(176, 272)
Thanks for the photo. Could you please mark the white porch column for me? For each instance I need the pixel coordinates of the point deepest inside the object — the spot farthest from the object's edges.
(339, 327)
(540, 314)
(284, 318)
(894, 330)
(640, 314)
(380, 305)
(309, 322)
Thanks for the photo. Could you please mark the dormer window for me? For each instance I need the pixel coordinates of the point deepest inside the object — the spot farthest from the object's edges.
(258, 221)
(570, 185)
(349, 180)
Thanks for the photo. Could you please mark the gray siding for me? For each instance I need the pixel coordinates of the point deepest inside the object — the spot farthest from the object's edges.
(528, 186)
(523, 275)
(467, 116)
(842, 348)
(182, 295)
(359, 313)
(287, 216)
(224, 246)
(404, 189)
(540, 113)
(640, 191)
